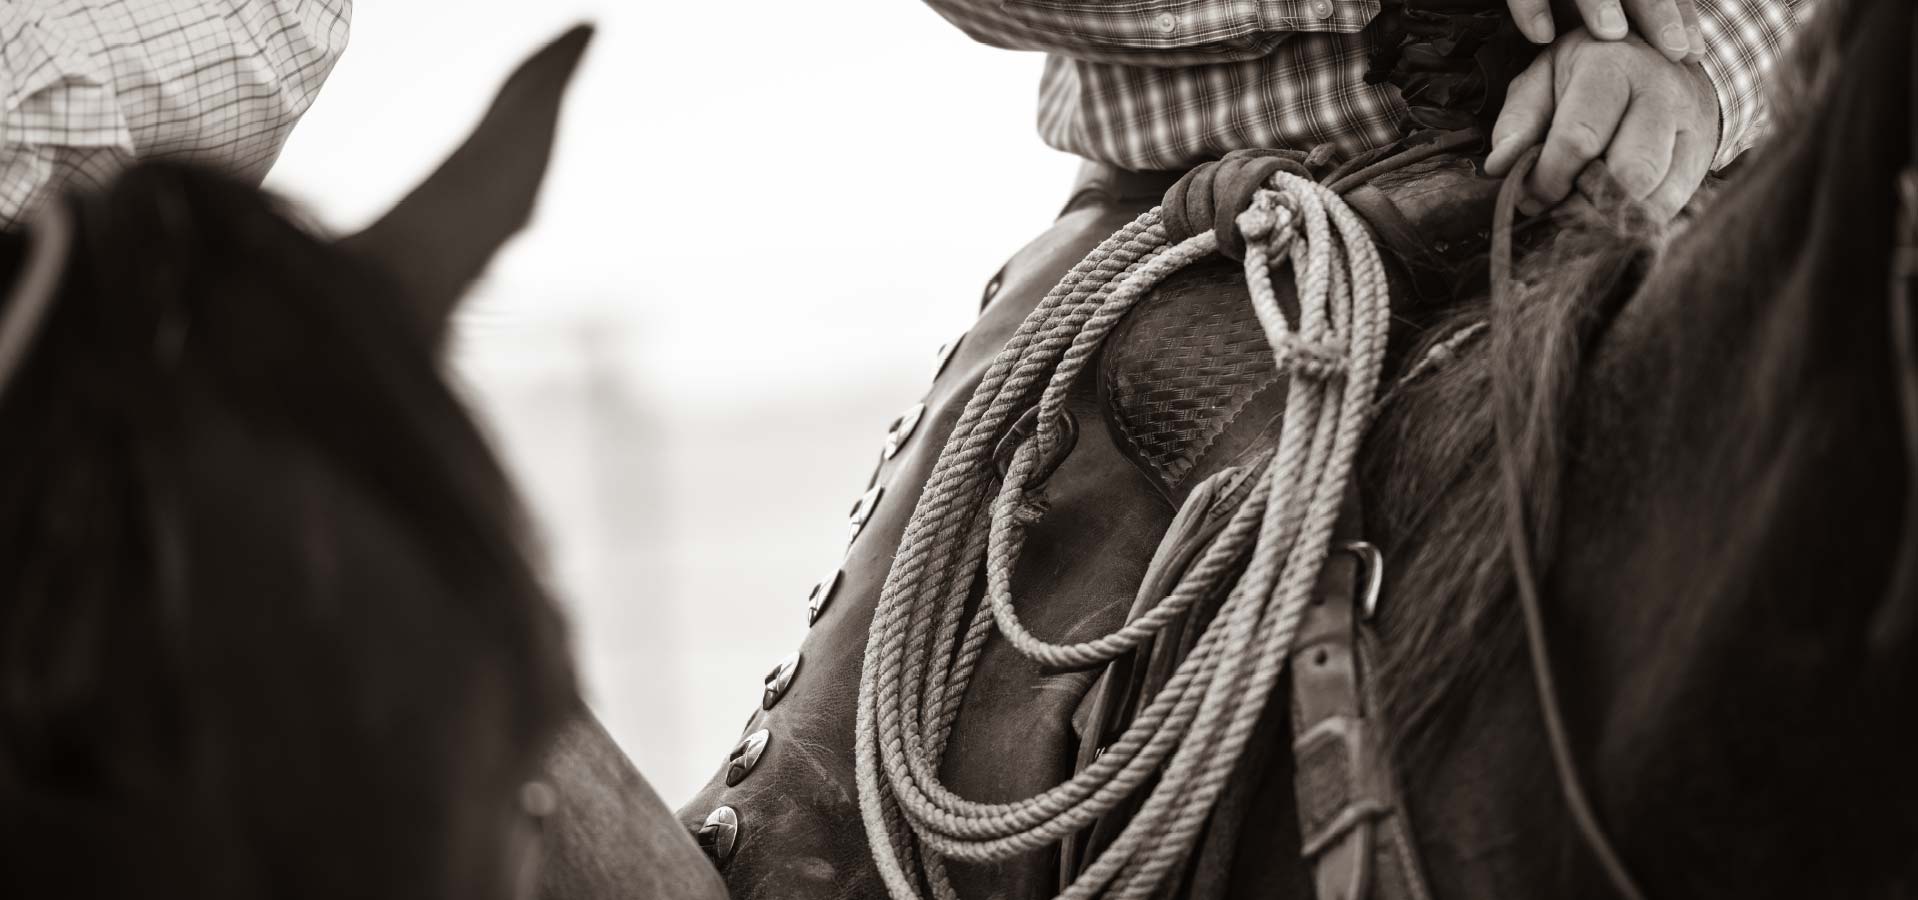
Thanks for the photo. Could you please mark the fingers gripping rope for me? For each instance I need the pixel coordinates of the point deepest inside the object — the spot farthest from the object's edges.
(920, 655)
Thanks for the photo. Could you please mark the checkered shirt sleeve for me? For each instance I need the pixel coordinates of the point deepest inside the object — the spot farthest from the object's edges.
(88, 85)
(1166, 84)
(1743, 38)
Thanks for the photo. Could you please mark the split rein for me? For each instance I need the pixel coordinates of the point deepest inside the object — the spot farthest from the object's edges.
(922, 650)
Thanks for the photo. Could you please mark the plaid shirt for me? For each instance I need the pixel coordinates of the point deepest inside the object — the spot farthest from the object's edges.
(1166, 84)
(88, 85)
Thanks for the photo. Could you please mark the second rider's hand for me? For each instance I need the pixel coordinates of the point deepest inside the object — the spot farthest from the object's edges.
(1653, 121)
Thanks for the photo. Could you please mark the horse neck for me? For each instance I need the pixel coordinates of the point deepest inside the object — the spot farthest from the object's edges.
(1732, 511)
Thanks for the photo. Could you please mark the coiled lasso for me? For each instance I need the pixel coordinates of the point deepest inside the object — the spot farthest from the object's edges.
(920, 655)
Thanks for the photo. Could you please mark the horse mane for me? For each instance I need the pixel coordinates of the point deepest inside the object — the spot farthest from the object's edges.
(270, 622)
(1431, 464)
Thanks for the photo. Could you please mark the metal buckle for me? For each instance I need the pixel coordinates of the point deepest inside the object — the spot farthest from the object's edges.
(1025, 429)
(1373, 562)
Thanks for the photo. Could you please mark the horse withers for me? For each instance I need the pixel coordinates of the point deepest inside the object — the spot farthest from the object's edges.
(269, 625)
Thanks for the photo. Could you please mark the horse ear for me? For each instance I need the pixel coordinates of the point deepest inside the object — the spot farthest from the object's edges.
(439, 239)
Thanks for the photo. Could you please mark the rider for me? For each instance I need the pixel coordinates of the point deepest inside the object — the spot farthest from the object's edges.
(1660, 90)
(90, 85)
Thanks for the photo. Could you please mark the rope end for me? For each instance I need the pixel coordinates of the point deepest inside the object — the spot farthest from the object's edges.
(1029, 507)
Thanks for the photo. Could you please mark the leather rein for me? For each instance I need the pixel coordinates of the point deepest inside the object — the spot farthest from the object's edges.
(50, 240)
(1518, 544)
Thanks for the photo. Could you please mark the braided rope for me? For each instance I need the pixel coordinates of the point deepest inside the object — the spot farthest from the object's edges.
(921, 652)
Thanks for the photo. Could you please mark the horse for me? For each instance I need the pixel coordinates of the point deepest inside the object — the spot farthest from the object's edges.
(270, 620)
(1645, 521)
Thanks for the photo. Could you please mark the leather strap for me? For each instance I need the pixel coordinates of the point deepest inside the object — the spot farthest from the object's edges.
(50, 238)
(1428, 269)
(1212, 195)
(1131, 680)
(1351, 815)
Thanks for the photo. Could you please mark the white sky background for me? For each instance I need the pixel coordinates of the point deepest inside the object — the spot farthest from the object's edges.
(760, 220)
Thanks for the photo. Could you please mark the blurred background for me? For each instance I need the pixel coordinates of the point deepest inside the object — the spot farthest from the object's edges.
(761, 220)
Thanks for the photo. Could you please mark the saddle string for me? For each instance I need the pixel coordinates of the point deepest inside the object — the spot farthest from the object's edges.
(1525, 577)
(50, 239)
(1437, 356)
(920, 661)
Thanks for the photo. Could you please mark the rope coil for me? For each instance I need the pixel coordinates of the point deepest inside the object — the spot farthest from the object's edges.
(922, 650)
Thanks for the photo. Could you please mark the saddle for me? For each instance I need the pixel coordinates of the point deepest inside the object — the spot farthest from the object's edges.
(1183, 396)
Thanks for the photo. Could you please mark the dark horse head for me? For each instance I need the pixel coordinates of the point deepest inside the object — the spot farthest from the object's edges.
(1718, 492)
(269, 626)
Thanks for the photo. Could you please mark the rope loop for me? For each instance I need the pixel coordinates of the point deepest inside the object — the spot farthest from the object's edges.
(987, 490)
(1053, 438)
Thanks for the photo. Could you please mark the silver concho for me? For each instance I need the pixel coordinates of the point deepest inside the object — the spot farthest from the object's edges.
(992, 290)
(779, 679)
(944, 355)
(720, 835)
(862, 511)
(745, 756)
(821, 596)
(901, 430)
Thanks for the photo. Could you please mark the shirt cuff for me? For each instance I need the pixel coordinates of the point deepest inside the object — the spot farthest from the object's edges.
(1743, 39)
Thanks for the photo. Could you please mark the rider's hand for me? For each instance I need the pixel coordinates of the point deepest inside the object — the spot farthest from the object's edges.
(1654, 122)
(1669, 25)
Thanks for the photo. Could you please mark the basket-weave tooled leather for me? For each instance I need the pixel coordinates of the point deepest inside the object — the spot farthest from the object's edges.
(1183, 366)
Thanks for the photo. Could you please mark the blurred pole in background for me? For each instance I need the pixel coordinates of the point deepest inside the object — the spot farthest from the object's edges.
(760, 221)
